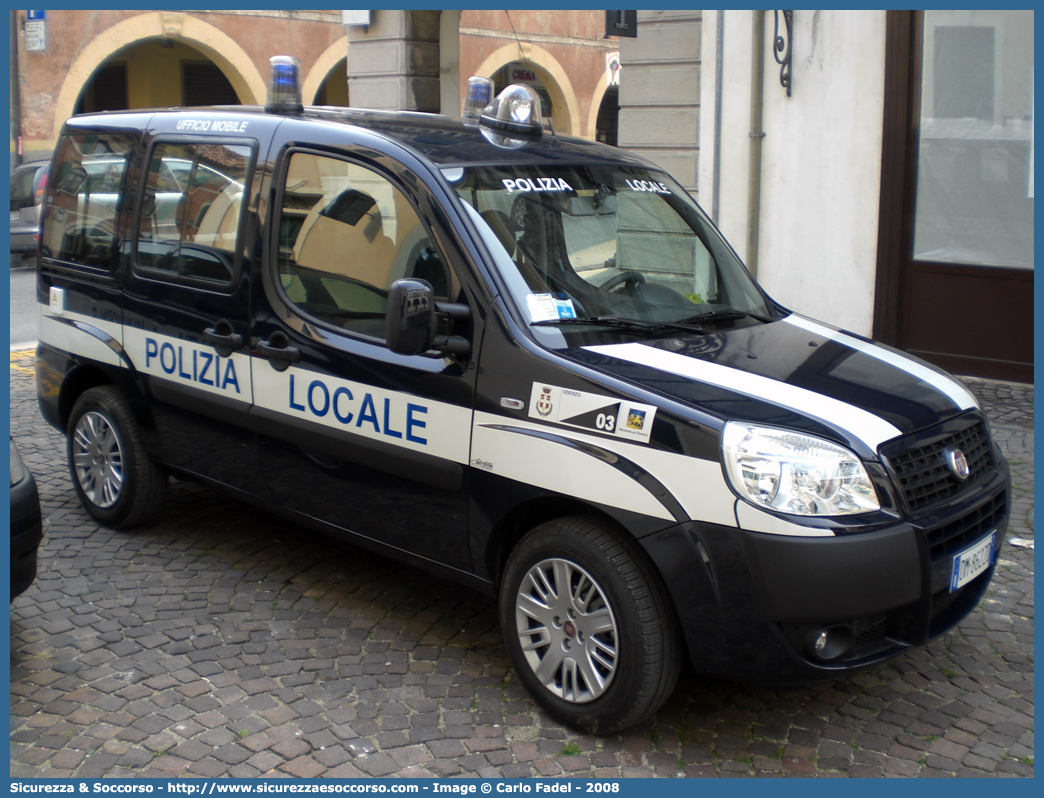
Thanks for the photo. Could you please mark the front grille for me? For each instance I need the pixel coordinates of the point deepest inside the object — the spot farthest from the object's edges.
(869, 637)
(924, 475)
(942, 599)
(947, 540)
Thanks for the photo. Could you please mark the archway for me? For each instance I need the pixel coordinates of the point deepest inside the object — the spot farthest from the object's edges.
(156, 73)
(604, 113)
(213, 44)
(565, 109)
(327, 81)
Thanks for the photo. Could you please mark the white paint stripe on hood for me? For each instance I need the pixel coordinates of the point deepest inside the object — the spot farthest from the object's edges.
(956, 392)
(870, 429)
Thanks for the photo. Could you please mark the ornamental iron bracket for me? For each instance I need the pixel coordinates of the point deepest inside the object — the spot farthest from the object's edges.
(781, 47)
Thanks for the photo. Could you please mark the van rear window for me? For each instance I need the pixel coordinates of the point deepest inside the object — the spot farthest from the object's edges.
(81, 220)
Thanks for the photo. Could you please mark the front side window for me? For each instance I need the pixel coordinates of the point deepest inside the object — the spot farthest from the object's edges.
(345, 235)
(621, 245)
(191, 207)
(83, 207)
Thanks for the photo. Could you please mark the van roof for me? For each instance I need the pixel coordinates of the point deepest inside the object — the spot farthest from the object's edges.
(443, 140)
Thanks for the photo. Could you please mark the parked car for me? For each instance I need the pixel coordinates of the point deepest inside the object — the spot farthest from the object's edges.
(28, 183)
(26, 524)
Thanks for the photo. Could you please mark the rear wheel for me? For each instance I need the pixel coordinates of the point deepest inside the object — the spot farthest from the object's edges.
(588, 625)
(115, 478)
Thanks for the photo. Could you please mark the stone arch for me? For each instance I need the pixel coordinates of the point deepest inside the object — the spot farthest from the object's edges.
(551, 74)
(596, 105)
(213, 43)
(321, 69)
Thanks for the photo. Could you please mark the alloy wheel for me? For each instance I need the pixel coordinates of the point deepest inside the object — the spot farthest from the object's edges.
(98, 459)
(567, 629)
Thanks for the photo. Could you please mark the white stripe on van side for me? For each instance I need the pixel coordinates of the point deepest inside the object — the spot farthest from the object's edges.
(870, 429)
(59, 332)
(957, 393)
(190, 364)
(544, 464)
(392, 417)
(697, 485)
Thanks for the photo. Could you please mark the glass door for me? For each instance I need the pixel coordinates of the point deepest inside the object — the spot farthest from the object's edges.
(966, 300)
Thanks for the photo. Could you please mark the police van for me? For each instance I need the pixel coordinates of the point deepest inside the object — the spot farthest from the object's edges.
(525, 362)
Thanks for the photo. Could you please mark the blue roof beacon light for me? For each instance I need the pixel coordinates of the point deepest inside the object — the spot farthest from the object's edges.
(515, 110)
(284, 85)
(479, 95)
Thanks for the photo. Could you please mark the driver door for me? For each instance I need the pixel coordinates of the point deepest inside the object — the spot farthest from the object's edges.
(372, 443)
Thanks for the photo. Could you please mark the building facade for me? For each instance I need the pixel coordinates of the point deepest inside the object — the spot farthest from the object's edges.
(417, 60)
(98, 60)
(881, 180)
(562, 54)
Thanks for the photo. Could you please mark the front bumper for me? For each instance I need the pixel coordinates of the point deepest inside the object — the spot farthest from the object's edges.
(751, 603)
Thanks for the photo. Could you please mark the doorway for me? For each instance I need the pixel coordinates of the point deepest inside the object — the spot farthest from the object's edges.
(955, 255)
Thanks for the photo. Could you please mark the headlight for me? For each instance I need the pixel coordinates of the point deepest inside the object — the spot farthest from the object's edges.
(795, 473)
(18, 471)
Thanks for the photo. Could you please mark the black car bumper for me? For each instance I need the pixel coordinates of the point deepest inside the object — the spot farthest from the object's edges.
(26, 533)
(751, 605)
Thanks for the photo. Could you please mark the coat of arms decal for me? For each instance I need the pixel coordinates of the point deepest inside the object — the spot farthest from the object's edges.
(544, 402)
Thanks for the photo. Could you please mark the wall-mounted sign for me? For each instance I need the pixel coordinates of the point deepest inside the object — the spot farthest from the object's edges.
(621, 23)
(35, 31)
(355, 18)
(520, 74)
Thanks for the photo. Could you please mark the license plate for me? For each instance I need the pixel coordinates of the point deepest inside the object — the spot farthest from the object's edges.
(970, 563)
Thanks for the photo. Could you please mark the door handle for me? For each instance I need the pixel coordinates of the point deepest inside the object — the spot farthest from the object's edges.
(222, 337)
(278, 352)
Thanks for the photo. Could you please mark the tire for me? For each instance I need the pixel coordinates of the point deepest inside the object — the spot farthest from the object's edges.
(616, 615)
(115, 478)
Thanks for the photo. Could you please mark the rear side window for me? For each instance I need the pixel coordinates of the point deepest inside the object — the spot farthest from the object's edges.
(345, 235)
(188, 223)
(81, 220)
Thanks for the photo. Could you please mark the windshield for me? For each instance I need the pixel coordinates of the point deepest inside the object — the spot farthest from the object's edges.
(607, 246)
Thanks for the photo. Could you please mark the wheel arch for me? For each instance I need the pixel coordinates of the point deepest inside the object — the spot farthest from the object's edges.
(525, 516)
(79, 379)
(84, 376)
(645, 641)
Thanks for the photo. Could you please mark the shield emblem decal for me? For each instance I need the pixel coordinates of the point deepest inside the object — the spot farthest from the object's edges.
(544, 402)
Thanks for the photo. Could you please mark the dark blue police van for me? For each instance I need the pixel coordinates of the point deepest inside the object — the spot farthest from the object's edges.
(526, 362)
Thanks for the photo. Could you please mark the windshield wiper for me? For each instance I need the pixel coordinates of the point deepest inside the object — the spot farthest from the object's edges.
(622, 323)
(723, 315)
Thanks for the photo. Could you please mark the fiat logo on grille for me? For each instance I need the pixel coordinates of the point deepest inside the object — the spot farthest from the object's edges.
(958, 463)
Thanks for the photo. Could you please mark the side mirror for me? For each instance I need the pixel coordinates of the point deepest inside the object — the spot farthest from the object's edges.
(410, 323)
(412, 320)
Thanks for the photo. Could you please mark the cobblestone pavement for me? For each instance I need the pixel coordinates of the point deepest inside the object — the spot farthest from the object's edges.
(220, 641)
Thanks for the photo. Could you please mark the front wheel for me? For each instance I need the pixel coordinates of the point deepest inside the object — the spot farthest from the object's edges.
(115, 478)
(588, 625)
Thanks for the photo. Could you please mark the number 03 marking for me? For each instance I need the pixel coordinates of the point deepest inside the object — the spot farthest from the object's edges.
(605, 422)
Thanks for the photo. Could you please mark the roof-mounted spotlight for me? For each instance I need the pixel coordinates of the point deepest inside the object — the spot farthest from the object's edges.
(284, 85)
(516, 110)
